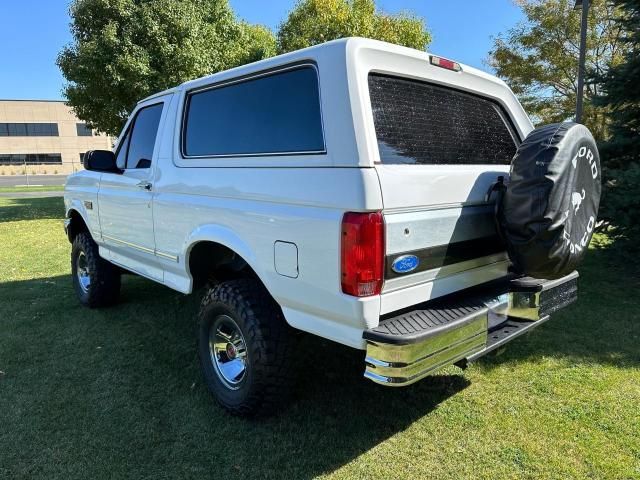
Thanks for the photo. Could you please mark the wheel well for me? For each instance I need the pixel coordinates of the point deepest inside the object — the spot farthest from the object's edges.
(76, 225)
(213, 261)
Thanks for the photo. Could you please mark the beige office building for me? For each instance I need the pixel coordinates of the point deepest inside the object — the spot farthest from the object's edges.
(44, 137)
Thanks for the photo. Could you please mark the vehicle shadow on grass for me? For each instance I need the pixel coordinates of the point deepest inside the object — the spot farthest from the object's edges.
(118, 393)
(32, 208)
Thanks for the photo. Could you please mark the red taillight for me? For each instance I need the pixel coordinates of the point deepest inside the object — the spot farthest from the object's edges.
(445, 63)
(362, 253)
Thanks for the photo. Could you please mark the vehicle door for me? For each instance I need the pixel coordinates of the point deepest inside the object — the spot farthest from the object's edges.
(126, 200)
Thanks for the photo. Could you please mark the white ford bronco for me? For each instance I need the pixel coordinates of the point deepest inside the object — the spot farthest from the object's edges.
(390, 200)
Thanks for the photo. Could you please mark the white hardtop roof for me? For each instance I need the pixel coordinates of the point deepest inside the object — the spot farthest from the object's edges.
(334, 47)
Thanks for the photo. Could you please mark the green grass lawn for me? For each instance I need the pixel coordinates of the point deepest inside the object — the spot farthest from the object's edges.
(117, 393)
(39, 188)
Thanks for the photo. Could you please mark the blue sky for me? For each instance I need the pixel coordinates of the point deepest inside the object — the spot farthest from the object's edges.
(32, 32)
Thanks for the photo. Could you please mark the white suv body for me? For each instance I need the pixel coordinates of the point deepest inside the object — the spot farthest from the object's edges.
(281, 211)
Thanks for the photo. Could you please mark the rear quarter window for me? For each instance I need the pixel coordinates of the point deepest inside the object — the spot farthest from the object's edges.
(421, 123)
(275, 113)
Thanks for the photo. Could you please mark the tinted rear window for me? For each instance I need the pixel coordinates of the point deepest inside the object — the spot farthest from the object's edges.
(421, 123)
(277, 113)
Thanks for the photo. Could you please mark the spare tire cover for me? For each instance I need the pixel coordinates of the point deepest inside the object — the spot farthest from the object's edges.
(550, 205)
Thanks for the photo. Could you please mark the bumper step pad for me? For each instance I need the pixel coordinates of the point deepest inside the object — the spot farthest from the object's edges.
(409, 345)
(414, 325)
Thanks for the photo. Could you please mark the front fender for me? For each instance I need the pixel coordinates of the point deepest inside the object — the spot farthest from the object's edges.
(75, 205)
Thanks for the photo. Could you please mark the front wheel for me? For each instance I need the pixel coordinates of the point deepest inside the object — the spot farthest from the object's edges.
(245, 348)
(95, 280)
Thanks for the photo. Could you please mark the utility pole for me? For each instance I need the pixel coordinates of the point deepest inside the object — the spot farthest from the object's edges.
(583, 51)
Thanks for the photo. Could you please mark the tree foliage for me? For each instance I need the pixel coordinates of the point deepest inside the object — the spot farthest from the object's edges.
(312, 22)
(620, 205)
(539, 59)
(125, 50)
(620, 91)
(620, 95)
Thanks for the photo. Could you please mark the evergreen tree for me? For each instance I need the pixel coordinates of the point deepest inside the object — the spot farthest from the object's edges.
(620, 153)
(620, 91)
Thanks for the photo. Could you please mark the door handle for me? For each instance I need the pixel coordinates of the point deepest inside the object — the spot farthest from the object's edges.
(144, 185)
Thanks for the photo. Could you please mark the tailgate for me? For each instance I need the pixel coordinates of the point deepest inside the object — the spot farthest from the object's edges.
(440, 151)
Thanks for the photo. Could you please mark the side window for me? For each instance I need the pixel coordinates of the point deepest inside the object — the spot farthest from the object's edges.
(136, 148)
(143, 137)
(277, 113)
(121, 154)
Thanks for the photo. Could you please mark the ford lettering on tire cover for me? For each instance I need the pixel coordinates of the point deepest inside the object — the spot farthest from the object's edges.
(550, 206)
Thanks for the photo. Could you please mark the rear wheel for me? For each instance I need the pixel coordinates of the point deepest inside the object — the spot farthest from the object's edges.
(96, 281)
(245, 348)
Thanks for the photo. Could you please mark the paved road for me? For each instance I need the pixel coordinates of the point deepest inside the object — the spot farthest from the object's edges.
(13, 180)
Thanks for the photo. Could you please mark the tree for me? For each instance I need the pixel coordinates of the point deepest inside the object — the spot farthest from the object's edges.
(539, 59)
(316, 21)
(620, 95)
(620, 91)
(125, 50)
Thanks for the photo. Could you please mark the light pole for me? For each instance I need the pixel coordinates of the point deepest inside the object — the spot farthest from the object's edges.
(584, 4)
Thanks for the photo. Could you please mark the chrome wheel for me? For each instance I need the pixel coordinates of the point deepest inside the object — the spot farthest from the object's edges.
(228, 351)
(83, 273)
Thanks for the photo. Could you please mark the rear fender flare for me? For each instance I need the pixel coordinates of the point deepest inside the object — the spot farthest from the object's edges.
(226, 237)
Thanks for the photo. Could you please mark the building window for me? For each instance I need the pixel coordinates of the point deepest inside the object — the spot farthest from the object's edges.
(29, 130)
(278, 113)
(83, 130)
(30, 159)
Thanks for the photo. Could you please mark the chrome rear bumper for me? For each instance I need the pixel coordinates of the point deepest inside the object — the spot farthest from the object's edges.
(408, 346)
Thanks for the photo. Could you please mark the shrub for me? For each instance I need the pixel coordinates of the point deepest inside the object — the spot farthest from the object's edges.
(621, 201)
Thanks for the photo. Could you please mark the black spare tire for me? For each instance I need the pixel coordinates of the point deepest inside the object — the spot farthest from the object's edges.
(550, 206)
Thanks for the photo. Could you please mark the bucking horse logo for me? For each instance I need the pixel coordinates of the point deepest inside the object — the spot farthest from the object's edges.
(576, 201)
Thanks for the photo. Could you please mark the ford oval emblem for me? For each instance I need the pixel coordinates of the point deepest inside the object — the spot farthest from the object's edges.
(405, 264)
